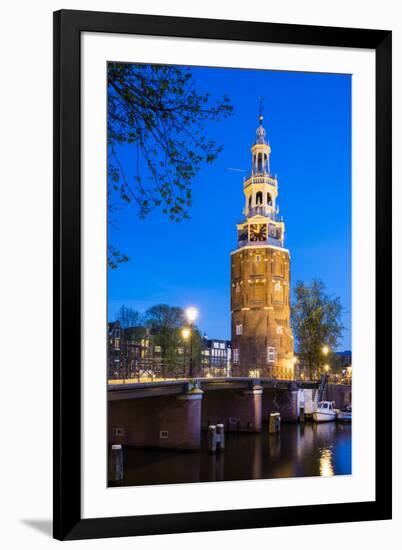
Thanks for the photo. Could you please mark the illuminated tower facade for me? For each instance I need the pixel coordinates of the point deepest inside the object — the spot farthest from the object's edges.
(262, 340)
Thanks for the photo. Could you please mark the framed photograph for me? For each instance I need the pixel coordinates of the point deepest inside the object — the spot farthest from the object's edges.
(222, 275)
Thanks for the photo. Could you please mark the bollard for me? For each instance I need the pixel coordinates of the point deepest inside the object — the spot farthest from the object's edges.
(212, 439)
(220, 437)
(274, 423)
(302, 416)
(116, 463)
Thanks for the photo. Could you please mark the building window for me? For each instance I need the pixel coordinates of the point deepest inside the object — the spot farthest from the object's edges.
(239, 329)
(222, 345)
(271, 354)
(117, 333)
(216, 344)
(157, 349)
(236, 355)
(277, 286)
(279, 329)
(258, 258)
(258, 197)
(269, 199)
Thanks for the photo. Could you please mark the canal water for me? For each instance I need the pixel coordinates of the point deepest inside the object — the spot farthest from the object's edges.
(299, 450)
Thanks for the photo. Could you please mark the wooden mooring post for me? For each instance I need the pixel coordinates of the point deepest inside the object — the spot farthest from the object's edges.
(116, 468)
(274, 423)
(216, 438)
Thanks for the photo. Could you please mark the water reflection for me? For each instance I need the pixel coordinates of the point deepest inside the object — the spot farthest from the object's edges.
(326, 467)
(299, 450)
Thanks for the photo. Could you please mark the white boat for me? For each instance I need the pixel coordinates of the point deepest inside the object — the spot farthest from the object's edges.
(325, 412)
(345, 415)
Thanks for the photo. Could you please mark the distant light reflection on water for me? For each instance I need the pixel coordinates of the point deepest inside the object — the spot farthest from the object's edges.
(299, 450)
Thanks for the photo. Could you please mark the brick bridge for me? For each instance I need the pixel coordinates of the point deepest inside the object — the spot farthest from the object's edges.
(171, 414)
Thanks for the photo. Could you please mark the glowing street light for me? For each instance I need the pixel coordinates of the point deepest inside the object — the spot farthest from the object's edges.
(191, 314)
(326, 368)
(185, 333)
(325, 350)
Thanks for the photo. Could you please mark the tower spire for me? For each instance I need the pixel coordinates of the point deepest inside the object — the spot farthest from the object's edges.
(261, 117)
(261, 133)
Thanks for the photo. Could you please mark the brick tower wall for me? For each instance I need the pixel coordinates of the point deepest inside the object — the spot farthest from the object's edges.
(260, 303)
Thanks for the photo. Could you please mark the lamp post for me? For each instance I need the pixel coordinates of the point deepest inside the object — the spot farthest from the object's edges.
(185, 334)
(191, 315)
(325, 351)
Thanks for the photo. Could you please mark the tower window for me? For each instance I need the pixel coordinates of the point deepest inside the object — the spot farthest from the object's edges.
(259, 162)
(258, 198)
(249, 202)
(239, 329)
(269, 199)
(271, 354)
(258, 258)
(277, 286)
(279, 329)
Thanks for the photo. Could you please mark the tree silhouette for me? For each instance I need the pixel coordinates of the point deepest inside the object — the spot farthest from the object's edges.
(157, 111)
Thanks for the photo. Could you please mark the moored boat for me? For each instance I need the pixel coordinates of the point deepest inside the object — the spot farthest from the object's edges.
(325, 412)
(345, 415)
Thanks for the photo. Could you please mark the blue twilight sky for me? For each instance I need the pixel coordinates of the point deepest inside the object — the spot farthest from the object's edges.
(307, 117)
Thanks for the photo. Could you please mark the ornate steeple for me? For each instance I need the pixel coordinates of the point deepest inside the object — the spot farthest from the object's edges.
(261, 192)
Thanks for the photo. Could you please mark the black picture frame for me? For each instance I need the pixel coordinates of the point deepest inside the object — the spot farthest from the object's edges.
(68, 522)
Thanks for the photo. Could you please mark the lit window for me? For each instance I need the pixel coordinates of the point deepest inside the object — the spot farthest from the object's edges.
(222, 345)
(236, 355)
(216, 344)
(271, 354)
(239, 329)
(278, 286)
(279, 329)
(157, 349)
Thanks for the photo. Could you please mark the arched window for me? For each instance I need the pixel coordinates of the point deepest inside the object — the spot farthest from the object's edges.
(258, 197)
(269, 199)
(259, 162)
(249, 202)
(265, 161)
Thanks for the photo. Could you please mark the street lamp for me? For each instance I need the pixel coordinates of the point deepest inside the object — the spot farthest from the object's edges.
(185, 333)
(191, 315)
(325, 350)
(326, 368)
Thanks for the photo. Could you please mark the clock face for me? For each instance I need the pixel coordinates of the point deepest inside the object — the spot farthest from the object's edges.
(258, 232)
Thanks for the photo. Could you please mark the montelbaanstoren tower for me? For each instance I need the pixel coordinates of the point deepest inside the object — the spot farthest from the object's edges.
(262, 340)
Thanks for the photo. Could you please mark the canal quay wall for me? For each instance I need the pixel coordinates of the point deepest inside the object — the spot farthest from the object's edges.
(340, 393)
(237, 410)
(170, 422)
(285, 402)
(171, 415)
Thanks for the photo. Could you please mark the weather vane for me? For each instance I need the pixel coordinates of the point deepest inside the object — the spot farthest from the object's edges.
(261, 98)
